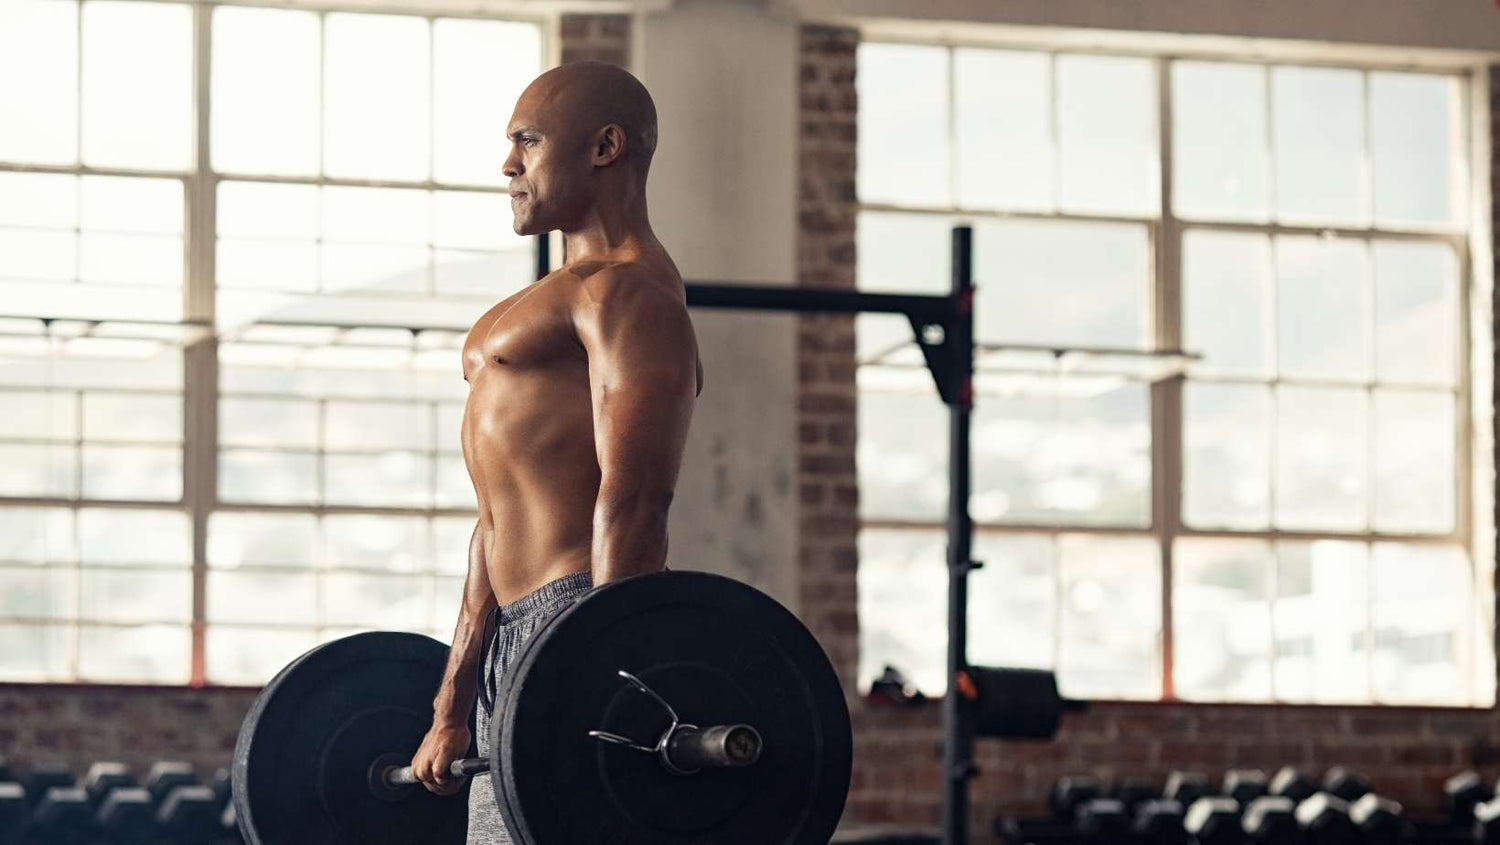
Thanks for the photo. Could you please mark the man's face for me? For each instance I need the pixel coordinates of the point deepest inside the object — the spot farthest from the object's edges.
(547, 166)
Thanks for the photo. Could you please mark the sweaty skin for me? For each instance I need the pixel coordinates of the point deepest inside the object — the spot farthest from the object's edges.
(581, 385)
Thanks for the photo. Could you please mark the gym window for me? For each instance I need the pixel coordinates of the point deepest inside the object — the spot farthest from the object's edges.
(1291, 517)
(175, 510)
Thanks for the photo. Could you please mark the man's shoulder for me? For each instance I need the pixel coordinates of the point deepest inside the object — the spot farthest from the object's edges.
(606, 282)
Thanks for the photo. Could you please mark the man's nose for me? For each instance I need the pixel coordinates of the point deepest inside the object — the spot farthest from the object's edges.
(512, 166)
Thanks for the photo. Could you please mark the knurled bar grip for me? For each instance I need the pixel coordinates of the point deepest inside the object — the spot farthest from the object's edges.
(465, 768)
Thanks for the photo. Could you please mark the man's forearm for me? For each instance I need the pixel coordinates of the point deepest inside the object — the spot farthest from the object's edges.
(455, 698)
(630, 536)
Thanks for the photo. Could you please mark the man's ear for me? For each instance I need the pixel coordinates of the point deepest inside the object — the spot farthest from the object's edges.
(609, 145)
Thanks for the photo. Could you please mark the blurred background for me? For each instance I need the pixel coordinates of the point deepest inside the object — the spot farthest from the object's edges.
(1233, 437)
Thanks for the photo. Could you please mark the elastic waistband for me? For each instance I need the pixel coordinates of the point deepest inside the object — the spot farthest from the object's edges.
(549, 594)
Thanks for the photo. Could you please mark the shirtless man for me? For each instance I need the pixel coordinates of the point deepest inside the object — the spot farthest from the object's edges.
(581, 388)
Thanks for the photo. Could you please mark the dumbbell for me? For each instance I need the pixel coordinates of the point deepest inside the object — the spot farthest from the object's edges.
(15, 813)
(1214, 820)
(1324, 819)
(1461, 793)
(1134, 791)
(1345, 784)
(1291, 783)
(1159, 822)
(64, 817)
(127, 815)
(1244, 785)
(1380, 820)
(103, 777)
(44, 776)
(166, 775)
(1271, 820)
(1069, 792)
(1186, 788)
(189, 815)
(1102, 821)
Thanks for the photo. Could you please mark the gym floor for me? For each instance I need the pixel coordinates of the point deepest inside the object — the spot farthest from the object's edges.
(1233, 465)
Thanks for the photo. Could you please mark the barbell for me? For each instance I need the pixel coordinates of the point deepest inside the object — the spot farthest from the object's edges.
(678, 707)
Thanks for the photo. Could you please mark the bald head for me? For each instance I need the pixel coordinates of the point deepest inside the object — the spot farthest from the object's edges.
(582, 98)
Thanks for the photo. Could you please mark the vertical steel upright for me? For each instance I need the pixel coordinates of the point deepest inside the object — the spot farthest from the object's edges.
(958, 748)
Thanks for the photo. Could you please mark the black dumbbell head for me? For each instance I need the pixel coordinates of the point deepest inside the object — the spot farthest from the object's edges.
(1244, 785)
(1344, 783)
(45, 776)
(1487, 822)
(1214, 820)
(1133, 791)
(1380, 820)
(1159, 822)
(167, 775)
(1102, 820)
(1460, 793)
(189, 813)
(1186, 787)
(1291, 783)
(103, 777)
(1271, 819)
(128, 816)
(1324, 819)
(64, 815)
(1069, 792)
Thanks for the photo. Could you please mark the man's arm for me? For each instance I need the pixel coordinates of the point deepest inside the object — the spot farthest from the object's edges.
(455, 698)
(643, 378)
(448, 738)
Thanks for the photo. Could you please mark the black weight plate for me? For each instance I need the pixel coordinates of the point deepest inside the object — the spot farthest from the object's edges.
(302, 758)
(719, 652)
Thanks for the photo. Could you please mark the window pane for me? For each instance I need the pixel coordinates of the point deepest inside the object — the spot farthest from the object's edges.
(447, 598)
(38, 255)
(903, 124)
(145, 654)
(1422, 612)
(377, 86)
(1321, 290)
(1221, 617)
(132, 472)
(1318, 127)
(248, 656)
(399, 544)
(1415, 478)
(1322, 596)
(1227, 467)
(1416, 308)
(268, 265)
(113, 595)
(454, 489)
(1415, 130)
(1106, 124)
(1004, 119)
(903, 253)
(373, 425)
(474, 62)
(451, 535)
(1076, 451)
(1219, 141)
(38, 415)
(252, 209)
(39, 84)
(1226, 307)
(395, 479)
(137, 85)
(120, 204)
(488, 275)
(374, 269)
(37, 200)
(1321, 448)
(36, 592)
(1012, 601)
(276, 478)
(119, 535)
(265, 100)
(130, 259)
(37, 535)
(289, 598)
(40, 470)
(1083, 284)
(474, 220)
(35, 652)
(288, 423)
(903, 607)
(124, 416)
(394, 602)
(1111, 617)
(238, 539)
(902, 455)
